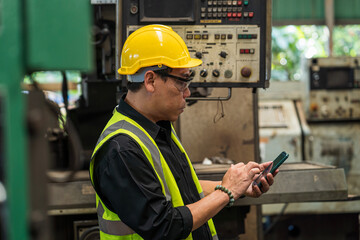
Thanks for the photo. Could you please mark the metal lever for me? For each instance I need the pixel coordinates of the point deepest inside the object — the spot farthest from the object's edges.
(211, 98)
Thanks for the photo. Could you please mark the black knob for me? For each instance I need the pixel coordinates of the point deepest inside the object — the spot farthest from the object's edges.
(223, 54)
(192, 73)
(203, 73)
(198, 55)
(216, 73)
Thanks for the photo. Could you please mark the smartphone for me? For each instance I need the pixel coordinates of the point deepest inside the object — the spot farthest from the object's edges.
(271, 168)
(278, 161)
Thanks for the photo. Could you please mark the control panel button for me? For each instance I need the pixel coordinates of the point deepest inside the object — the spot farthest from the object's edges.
(197, 36)
(228, 74)
(245, 72)
(134, 9)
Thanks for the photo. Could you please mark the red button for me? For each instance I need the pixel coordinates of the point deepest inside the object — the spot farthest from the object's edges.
(247, 50)
(239, 14)
(242, 50)
(251, 14)
(234, 14)
(229, 14)
(239, 2)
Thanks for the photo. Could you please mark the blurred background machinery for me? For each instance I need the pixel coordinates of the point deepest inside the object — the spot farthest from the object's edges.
(321, 122)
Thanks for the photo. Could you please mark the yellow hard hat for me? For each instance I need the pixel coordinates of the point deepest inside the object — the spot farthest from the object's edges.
(155, 45)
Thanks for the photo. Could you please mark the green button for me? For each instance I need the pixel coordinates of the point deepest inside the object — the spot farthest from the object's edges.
(246, 3)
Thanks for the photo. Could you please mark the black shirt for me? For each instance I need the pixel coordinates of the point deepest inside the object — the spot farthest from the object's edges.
(127, 184)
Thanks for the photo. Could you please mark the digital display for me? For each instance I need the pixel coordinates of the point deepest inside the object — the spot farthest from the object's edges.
(337, 78)
(167, 11)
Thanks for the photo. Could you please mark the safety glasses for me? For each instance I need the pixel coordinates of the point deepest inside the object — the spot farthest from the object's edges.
(181, 83)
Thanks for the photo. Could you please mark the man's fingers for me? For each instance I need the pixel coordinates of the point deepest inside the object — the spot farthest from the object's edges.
(265, 165)
(254, 171)
(265, 186)
(276, 172)
(270, 179)
(257, 191)
(251, 165)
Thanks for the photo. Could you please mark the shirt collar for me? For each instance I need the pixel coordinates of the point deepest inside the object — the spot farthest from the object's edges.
(152, 128)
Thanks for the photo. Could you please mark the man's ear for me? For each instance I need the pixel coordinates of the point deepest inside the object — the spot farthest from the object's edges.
(149, 80)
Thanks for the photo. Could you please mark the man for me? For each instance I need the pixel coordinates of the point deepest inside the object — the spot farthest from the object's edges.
(146, 187)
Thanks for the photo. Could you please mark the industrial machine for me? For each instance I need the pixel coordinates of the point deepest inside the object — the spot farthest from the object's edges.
(233, 40)
(334, 89)
(282, 126)
(230, 37)
(333, 113)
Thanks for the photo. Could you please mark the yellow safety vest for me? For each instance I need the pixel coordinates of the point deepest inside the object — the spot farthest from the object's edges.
(111, 227)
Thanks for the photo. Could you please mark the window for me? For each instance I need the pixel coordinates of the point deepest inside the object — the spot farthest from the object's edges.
(346, 40)
(292, 44)
(51, 81)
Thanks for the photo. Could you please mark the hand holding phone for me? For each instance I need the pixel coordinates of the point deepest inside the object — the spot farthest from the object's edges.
(271, 168)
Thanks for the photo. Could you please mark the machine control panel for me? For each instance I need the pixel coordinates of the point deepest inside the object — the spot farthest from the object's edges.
(230, 54)
(334, 89)
(230, 37)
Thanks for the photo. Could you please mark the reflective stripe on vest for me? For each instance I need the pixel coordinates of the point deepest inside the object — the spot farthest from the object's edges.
(145, 139)
(118, 228)
(120, 124)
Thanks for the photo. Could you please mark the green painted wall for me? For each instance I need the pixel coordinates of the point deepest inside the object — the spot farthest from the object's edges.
(313, 11)
(304, 9)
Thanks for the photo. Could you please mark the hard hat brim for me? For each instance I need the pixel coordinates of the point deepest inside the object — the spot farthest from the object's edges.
(192, 63)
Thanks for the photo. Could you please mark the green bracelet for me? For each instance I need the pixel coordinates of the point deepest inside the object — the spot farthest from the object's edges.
(228, 192)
